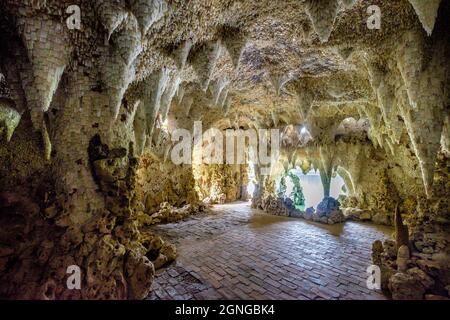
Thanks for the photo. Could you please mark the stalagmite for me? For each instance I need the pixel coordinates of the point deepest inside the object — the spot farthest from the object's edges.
(322, 14)
(427, 12)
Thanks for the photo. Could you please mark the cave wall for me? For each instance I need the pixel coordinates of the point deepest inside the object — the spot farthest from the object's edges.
(86, 117)
(220, 183)
(159, 181)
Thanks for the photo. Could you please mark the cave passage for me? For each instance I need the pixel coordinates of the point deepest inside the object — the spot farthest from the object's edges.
(312, 187)
(233, 149)
(242, 253)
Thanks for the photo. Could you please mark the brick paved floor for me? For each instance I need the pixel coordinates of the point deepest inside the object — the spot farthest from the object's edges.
(236, 252)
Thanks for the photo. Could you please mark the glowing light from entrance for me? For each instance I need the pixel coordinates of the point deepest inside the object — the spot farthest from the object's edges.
(250, 189)
(165, 125)
(251, 179)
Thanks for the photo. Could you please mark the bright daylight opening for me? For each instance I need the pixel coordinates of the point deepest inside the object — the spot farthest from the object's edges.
(251, 180)
(311, 186)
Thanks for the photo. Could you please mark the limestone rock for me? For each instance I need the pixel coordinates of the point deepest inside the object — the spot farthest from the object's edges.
(328, 211)
(402, 258)
(322, 14)
(410, 285)
(427, 13)
(9, 120)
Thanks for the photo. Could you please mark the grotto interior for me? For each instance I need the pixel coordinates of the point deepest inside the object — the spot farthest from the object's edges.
(93, 92)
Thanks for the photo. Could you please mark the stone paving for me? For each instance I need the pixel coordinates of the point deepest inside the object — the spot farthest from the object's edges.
(236, 252)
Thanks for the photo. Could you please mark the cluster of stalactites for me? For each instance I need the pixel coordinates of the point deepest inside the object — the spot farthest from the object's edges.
(410, 99)
(48, 50)
(164, 85)
(323, 13)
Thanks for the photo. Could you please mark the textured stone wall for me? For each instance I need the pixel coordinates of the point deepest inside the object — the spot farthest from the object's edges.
(159, 181)
(221, 183)
(86, 117)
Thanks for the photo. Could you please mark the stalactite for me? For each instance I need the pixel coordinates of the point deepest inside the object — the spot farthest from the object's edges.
(410, 57)
(234, 41)
(322, 14)
(348, 3)
(148, 12)
(110, 15)
(47, 142)
(427, 12)
(181, 54)
(119, 69)
(279, 81)
(445, 140)
(204, 61)
(9, 119)
(154, 88)
(168, 95)
(347, 180)
(220, 92)
(275, 119)
(227, 105)
(424, 123)
(48, 54)
(140, 128)
(305, 101)
(187, 103)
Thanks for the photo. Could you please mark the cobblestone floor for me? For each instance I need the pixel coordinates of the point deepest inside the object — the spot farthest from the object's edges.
(236, 252)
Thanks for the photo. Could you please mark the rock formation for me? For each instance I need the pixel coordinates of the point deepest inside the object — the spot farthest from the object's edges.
(90, 104)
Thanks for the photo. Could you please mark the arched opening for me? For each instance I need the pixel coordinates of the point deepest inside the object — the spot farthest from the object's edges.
(311, 187)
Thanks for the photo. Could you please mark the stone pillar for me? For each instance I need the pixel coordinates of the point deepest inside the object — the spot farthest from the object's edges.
(326, 182)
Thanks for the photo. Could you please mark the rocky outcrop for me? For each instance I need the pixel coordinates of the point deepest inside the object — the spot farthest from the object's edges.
(327, 212)
(87, 116)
